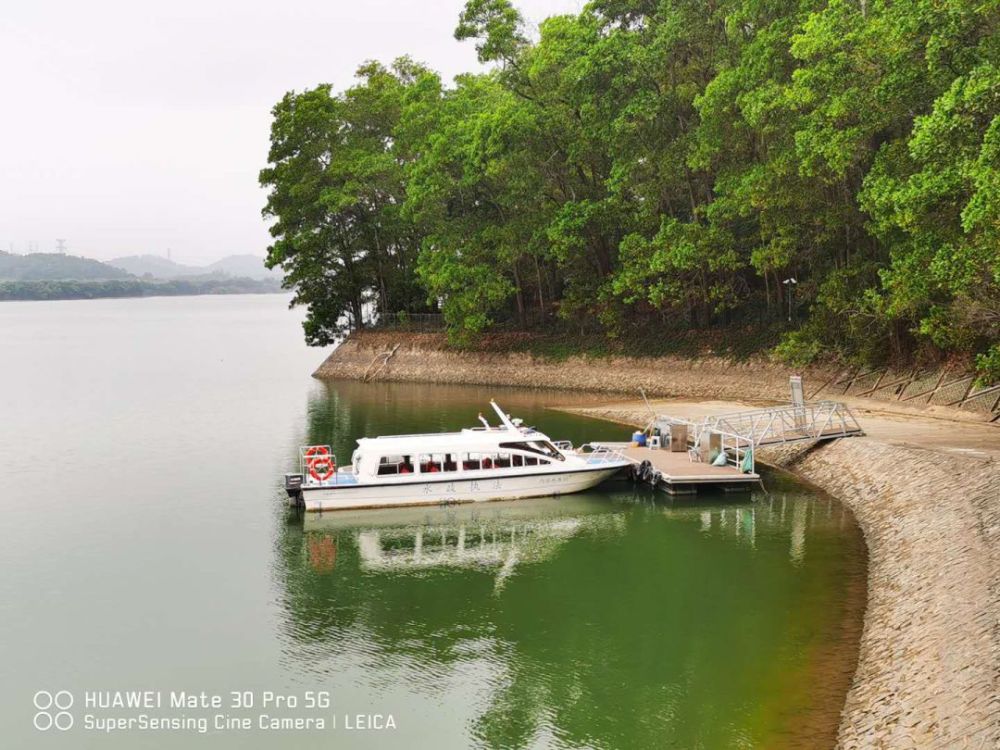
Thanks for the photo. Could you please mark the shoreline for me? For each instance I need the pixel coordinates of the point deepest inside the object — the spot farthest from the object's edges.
(928, 667)
(425, 358)
(154, 295)
(923, 484)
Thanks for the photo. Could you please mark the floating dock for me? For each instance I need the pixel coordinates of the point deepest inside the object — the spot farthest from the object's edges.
(718, 451)
(678, 473)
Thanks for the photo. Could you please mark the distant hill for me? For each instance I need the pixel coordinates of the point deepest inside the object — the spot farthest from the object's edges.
(51, 276)
(248, 266)
(156, 266)
(56, 267)
(242, 266)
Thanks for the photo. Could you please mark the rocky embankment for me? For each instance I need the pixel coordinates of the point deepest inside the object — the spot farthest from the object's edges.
(929, 667)
(928, 674)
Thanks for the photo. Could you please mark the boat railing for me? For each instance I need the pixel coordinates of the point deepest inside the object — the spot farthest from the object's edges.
(318, 466)
(597, 453)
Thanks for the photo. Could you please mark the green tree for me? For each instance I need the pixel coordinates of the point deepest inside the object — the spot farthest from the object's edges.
(664, 166)
(336, 187)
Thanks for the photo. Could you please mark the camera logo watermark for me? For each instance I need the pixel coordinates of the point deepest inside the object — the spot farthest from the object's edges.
(53, 710)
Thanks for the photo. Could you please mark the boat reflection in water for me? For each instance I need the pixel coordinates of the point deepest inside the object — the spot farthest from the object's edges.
(500, 537)
(605, 619)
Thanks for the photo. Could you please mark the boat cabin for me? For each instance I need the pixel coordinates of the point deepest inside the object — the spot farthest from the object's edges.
(463, 452)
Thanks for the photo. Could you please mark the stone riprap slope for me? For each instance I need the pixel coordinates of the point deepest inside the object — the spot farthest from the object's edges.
(929, 668)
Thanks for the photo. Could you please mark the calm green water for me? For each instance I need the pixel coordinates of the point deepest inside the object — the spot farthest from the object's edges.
(145, 545)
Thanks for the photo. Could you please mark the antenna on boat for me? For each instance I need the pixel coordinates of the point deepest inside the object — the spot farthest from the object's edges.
(504, 418)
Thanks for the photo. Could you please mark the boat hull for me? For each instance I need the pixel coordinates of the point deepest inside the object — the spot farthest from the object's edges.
(483, 489)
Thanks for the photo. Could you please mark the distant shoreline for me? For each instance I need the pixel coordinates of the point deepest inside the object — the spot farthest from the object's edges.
(43, 291)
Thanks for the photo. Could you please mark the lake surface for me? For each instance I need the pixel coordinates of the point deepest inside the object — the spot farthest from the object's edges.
(146, 545)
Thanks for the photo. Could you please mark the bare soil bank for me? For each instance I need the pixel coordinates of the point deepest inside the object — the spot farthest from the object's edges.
(928, 674)
(424, 357)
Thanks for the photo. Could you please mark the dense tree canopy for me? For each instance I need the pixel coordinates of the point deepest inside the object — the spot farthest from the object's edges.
(665, 165)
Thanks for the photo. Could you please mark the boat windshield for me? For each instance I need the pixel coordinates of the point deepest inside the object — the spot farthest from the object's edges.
(541, 447)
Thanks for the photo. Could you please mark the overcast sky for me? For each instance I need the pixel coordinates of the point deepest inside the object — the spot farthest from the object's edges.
(132, 127)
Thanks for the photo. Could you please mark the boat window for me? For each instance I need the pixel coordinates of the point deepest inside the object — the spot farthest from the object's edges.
(390, 465)
(470, 461)
(517, 460)
(503, 460)
(449, 463)
(441, 462)
(430, 464)
(541, 447)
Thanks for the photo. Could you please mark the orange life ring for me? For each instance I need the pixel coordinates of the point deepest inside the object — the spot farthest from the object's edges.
(317, 450)
(320, 463)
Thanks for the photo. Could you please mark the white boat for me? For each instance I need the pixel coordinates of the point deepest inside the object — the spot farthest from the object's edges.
(505, 462)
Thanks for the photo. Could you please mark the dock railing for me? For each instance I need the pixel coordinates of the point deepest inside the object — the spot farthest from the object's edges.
(735, 447)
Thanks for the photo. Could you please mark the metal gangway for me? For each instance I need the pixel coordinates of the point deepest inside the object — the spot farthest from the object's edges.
(744, 431)
(788, 423)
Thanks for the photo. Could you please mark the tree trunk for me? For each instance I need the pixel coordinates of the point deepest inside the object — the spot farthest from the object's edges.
(519, 296)
(541, 293)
